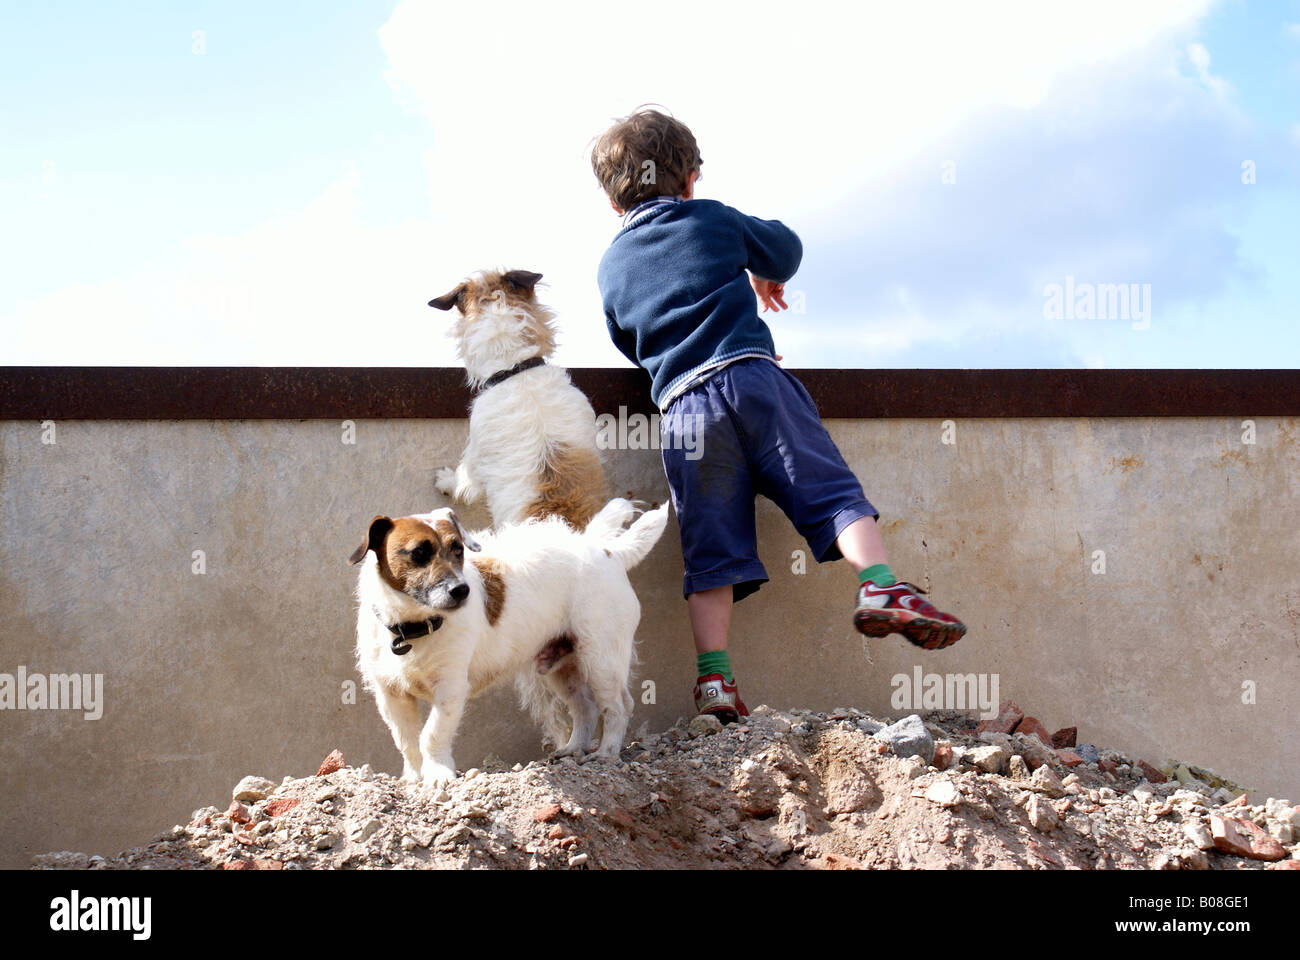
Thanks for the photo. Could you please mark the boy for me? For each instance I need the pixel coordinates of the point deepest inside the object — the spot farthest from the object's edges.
(678, 284)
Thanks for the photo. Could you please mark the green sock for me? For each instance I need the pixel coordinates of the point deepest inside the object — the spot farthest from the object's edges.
(715, 661)
(880, 575)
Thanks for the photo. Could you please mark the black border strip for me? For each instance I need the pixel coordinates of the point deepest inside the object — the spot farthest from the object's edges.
(354, 393)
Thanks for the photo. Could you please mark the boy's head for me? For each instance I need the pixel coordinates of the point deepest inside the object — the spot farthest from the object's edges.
(645, 155)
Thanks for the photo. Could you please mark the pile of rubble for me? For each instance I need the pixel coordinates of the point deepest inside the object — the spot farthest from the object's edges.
(782, 790)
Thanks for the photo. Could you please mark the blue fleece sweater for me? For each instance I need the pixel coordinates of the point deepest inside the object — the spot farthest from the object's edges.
(676, 297)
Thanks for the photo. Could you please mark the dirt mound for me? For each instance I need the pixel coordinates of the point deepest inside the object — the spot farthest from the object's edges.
(791, 791)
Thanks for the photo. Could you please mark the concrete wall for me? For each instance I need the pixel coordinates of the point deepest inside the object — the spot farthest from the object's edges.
(242, 669)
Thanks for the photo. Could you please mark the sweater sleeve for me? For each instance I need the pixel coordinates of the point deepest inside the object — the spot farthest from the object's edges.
(622, 339)
(773, 249)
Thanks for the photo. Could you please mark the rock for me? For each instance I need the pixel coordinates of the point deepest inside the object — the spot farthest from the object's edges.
(238, 813)
(1017, 769)
(1195, 831)
(1281, 831)
(703, 725)
(1194, 859)
(835, 861)
(1041, 814)
(1065, 737)
(364, 830)
(1031, 727)
(914, 767)
(990, 759)
(1244, 839)
(331, 763)
(577, 860)
(63, 860)
(942, 755)
(252, 789)
(1087, 751)
(943, 792)
(908, 738)
(325, 841)
(1035, 752)
(1143, 793)
(1046, 781)
(1008, 716)
(1152, 773)
(867, 725)
(1286, 865)
(776, 848)
(547, 813)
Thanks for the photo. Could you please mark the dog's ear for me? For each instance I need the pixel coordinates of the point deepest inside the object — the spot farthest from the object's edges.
(448, 514)
(449, 299)
(470, 542)
(379, 528)
(522, 280)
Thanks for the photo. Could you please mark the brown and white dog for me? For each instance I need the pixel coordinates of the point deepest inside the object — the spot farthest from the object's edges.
(532, 434)
(536, 602)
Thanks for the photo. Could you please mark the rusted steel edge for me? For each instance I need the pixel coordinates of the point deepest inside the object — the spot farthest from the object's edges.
(354, 393)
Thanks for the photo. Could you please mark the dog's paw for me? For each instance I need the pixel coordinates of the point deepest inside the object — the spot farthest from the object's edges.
(444, 481)
(410, 774)
(437, 775)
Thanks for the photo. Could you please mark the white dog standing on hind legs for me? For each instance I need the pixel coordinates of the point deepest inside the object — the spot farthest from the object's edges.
(536, 602)
(532, 434)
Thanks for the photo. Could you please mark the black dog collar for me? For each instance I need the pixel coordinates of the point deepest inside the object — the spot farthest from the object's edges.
(402, 632)
(502, 375)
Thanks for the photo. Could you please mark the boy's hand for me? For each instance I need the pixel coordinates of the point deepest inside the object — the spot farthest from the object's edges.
(770, 295)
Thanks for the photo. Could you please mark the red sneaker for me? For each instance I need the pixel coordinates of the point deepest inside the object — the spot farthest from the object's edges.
(714, 695)
(899, 609)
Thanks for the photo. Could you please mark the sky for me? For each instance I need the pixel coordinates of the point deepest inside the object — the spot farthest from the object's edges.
(289, 183)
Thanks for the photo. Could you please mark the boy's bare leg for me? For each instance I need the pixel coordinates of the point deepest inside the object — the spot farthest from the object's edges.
(861, 544)
(710, 612)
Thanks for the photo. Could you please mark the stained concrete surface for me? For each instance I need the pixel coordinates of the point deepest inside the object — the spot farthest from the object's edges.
(247, 667)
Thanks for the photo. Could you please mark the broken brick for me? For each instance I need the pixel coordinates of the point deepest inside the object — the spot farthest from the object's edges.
(1107, 766)
(547, 813)
(620, 818)
(1243, 838)
(1152, 774)
(238, 812)
(280, 805)
(331, 763)
(1031, 726)
(1008, 716)
(1065, 737)
(1069, 758)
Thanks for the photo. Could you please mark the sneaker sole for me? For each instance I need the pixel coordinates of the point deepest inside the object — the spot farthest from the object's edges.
(921, 631)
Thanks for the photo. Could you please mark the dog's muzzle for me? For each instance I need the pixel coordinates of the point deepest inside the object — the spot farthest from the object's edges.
(404, 632)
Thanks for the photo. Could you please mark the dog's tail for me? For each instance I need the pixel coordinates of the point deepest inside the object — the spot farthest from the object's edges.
(629, 546)
(611, 520)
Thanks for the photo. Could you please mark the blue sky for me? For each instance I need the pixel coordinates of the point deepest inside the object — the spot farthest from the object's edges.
(289, 183)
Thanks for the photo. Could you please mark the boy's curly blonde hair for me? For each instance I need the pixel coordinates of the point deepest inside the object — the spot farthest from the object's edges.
(644, 155)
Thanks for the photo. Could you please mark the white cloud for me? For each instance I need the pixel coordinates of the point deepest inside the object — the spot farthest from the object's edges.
(1200, 58)
(807, 114)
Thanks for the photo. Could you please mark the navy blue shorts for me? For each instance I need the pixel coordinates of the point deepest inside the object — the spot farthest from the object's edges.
(752, 429)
